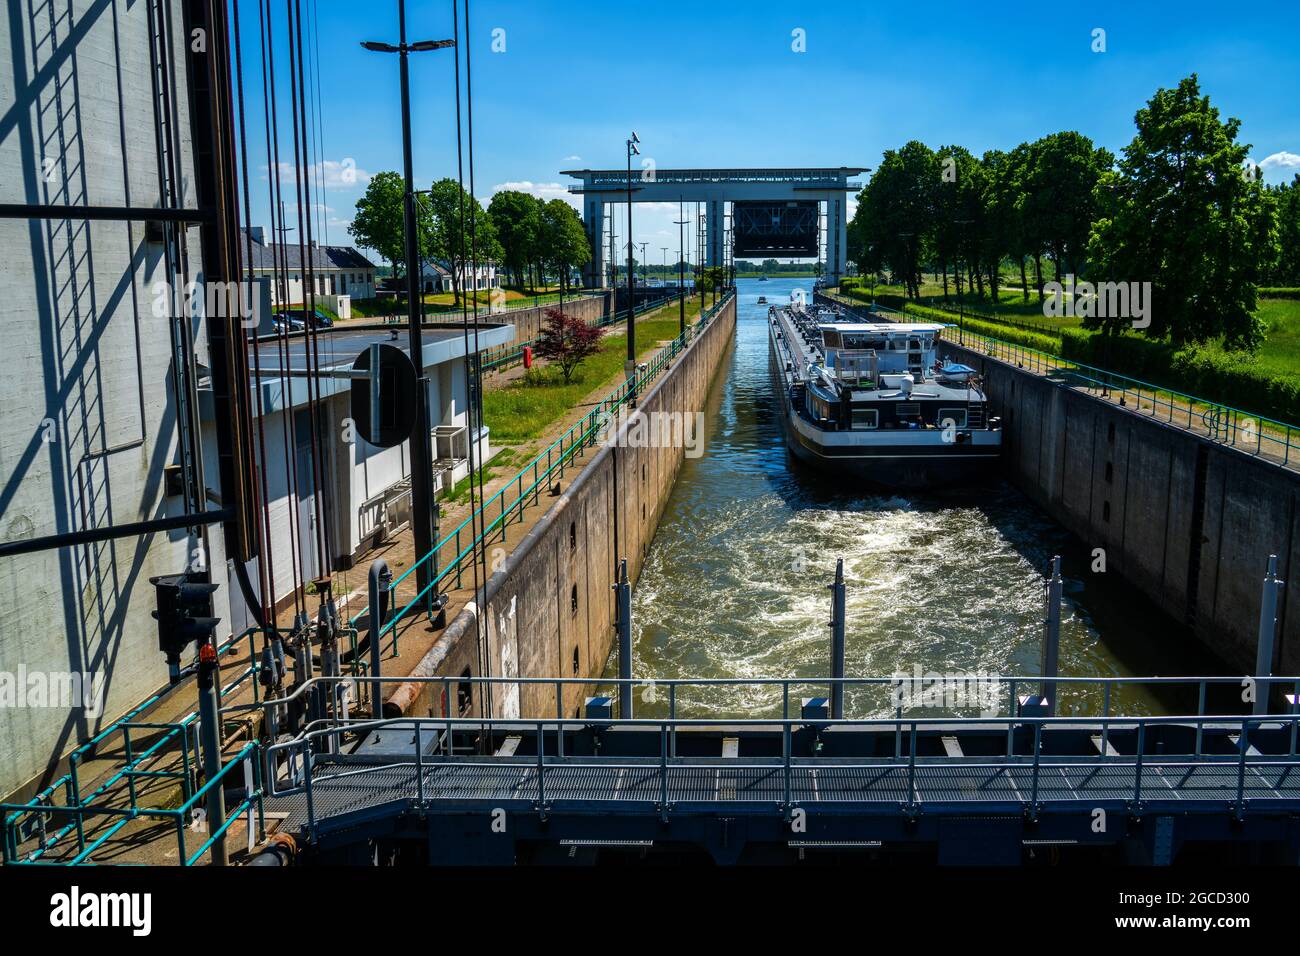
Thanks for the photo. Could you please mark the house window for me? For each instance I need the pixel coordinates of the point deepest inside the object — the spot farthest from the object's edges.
(952, 417)
(865, 418)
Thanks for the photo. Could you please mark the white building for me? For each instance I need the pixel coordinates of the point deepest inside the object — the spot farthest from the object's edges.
(369, 493)
(436, 276)
(336, 270)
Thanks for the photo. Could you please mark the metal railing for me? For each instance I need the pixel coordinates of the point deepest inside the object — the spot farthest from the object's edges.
(456, 551)
(1031, 764)
(1254, 434)
(40, 817)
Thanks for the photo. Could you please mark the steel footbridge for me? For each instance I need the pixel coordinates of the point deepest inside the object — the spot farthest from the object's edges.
(991, 788)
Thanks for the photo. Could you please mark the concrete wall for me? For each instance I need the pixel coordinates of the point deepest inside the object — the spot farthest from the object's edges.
(89, 420)
(533, 627)
(528, 322)
(1190, 522)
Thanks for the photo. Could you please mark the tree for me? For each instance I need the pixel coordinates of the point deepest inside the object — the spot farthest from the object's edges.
(1060, 196)
(895, 217)
(380, 220)
(566, 340)
(1182, 214)
(453, 212)
(563, 240)
(1285, 268)
(518, 220)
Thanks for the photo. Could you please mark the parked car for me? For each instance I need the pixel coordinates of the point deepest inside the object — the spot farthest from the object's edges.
(297, 319)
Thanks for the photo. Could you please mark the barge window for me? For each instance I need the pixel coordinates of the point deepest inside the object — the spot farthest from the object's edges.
(865, 418)
(911, 410)
(955, 416)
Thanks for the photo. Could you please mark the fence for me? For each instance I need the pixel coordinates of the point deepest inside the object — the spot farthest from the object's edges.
(1254, 434)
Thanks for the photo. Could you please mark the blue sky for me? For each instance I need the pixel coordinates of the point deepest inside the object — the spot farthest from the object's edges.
(720, 84)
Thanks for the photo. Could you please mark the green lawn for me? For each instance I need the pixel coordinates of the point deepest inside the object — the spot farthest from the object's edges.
(524, 409)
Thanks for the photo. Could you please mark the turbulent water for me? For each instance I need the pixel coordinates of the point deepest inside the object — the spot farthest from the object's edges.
(735, 583)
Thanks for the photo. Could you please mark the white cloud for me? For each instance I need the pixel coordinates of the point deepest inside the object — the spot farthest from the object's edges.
(543, 191)
(342, 174)
(572, 159)
(1280, 160)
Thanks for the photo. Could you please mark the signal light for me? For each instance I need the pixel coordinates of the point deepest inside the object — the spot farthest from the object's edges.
(184, 615)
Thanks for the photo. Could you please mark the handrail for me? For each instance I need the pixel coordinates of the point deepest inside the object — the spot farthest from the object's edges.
(1251, 428)
(1036, 761)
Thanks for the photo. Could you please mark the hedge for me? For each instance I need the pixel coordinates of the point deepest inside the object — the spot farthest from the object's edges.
(1279, 292)
(1234, 380)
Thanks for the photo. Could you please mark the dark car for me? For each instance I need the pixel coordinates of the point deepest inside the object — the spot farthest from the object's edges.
(297, 319)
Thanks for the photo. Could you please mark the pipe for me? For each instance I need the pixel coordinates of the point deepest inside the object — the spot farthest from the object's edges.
(381, 580)
(1267, 633)
(623, 603)
(837, 641)
(133, 529)
(280, 850)
(1052, 638)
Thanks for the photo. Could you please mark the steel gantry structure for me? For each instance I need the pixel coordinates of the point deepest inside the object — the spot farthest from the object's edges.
(776, 209)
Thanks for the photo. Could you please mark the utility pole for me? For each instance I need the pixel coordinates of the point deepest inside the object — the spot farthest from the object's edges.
(630, 366)
(681, 265)
(422, 503)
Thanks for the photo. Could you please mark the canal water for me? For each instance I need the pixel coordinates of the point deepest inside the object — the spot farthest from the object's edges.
(948, 582)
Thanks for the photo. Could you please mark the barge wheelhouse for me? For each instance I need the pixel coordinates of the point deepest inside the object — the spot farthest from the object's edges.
(870, 399)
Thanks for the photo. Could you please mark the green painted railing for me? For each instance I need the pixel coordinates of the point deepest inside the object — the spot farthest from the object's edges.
(1248, 432)
(42, 815)
(453, 554)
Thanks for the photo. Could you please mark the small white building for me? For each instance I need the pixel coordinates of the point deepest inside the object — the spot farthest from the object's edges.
(368, 496)
(336, 270)
(436, 276)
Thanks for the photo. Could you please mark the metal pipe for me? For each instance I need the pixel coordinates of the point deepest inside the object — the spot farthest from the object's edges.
(1267, 633)
(132, 529)
(210, 735)
(837, 642)
(111, 213)
(1051, 638)
(380, 582)
(623, 604)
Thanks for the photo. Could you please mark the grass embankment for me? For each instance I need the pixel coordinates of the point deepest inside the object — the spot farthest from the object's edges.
(1266, 382)
(525, 408)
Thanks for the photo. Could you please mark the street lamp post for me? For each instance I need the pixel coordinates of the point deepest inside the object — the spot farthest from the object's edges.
(630, 366)
(681, 265)
(422, 503)
(961, 309)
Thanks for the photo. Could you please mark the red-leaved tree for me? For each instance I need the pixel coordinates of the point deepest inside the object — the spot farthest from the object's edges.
(566, 340)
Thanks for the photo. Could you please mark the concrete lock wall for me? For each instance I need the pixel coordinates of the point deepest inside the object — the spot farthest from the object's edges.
(528, 322)
(550, 606)
(1188, 521)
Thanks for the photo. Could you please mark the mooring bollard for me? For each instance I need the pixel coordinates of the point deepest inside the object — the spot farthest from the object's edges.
(1267, 633)
(837, 641)
(1051, 638)
(623, 607)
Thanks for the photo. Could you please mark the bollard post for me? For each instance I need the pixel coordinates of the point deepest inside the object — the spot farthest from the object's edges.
(837, 641)
(380, 581)
(1267, 633)
(623, 606)
(1051, 638)
(210, 738)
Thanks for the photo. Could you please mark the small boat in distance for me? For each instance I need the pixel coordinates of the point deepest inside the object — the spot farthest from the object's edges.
(762, 300)
(762, 278)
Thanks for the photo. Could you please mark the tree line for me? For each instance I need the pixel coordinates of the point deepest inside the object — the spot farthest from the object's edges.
(526, 237)
(1181, 208)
